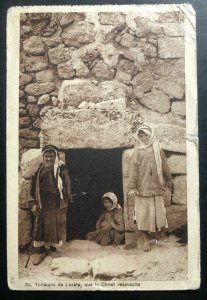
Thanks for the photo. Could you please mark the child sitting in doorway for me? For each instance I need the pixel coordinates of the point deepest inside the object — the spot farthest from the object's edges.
(110, 225)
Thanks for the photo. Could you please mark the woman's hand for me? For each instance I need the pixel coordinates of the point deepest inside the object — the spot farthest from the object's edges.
(133, 193)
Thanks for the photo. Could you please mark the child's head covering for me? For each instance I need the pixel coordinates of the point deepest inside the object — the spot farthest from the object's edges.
(56, 166)
(155, 145)
(113, 198)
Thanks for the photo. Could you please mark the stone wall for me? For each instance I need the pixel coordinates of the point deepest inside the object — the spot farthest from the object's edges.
(73, 65)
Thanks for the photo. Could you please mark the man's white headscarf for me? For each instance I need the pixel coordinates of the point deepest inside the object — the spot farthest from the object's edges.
(57, 163)
(155, 145)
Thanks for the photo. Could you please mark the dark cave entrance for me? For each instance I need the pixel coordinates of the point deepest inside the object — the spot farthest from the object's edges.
(93, 172)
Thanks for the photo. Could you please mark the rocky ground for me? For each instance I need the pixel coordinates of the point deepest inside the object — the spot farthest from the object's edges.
(88, 261)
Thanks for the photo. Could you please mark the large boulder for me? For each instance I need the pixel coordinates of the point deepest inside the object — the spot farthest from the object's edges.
(89, 128)
(30, 163)
(180, 190)
(171, 47)
(34, 46)
(74, 268)
(74, 92)
(78, 34)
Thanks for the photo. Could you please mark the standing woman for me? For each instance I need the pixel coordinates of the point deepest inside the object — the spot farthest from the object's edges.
(149, 176)
(51, 193)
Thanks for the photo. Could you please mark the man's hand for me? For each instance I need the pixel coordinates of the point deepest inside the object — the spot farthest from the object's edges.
(35, 210)
(133, 193)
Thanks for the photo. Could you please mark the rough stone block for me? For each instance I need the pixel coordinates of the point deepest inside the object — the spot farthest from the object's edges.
(24, 79)
(180, 190)
(45, 76)
(177, 164)
(34, 46)
(38, 89)
(35, 63)
(28, 134)
(65, 70)
(59, 54)
(78, 34)
(44, 99)
(171, 47)
(33, 110)
(24, 193)
(109, 18)
(157, 101)
(116, 104)
(25, 227)
(179, 108)
(30, 162)
(74, 92)
(176, 216)
(103, 72)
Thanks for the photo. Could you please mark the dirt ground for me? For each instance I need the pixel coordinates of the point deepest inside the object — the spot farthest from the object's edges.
(166, 261)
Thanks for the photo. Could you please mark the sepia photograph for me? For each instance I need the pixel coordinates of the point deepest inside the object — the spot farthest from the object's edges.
(102, 148)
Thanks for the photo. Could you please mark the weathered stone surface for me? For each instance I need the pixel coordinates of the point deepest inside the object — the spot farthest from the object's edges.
(69, 18)
(52, 41)
(28, 134)
(146, 27)
(102, 267)
(44, 99)
(28, 143)
(123, 77)
(156, 101)
(174, 29)
(24, 122)
(45, 76)
(171, 137)
(89, 55)
(78, 34)
(22, 112)
(116, 104)
(24, 79)
(179, 108)
(142, 83)
(67, 131)
(128, 41)
(173, 89)
(54, 101)
(171, 47)
(31, 99)
(74, 92)
(24, 193)
(23, 18)
(30, 162)
(103, 72)
(45, 109)
(176, 216)
(33, 110)
(21, 94)
(38, 89)
(59, 54)
(81, 69)
(108, 18)
(22, 105)
(24, 30)
(65, 70)
(75, 268)
(180, 190)
(50, 29)
(35, 63)
(128, 67)
(24, 227)
(177, 164)
(37, 124)
(34, 46)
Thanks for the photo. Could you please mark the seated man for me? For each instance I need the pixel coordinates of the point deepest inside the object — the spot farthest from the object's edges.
(110, 225)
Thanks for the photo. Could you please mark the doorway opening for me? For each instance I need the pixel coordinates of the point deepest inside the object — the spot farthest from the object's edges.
(93, 172)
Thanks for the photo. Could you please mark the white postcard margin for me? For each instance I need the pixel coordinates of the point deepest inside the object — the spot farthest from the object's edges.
(13, 36)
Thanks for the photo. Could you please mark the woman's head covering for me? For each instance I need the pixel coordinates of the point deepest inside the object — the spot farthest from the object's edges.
(52, 148)
(113, 198)
(152, 142)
